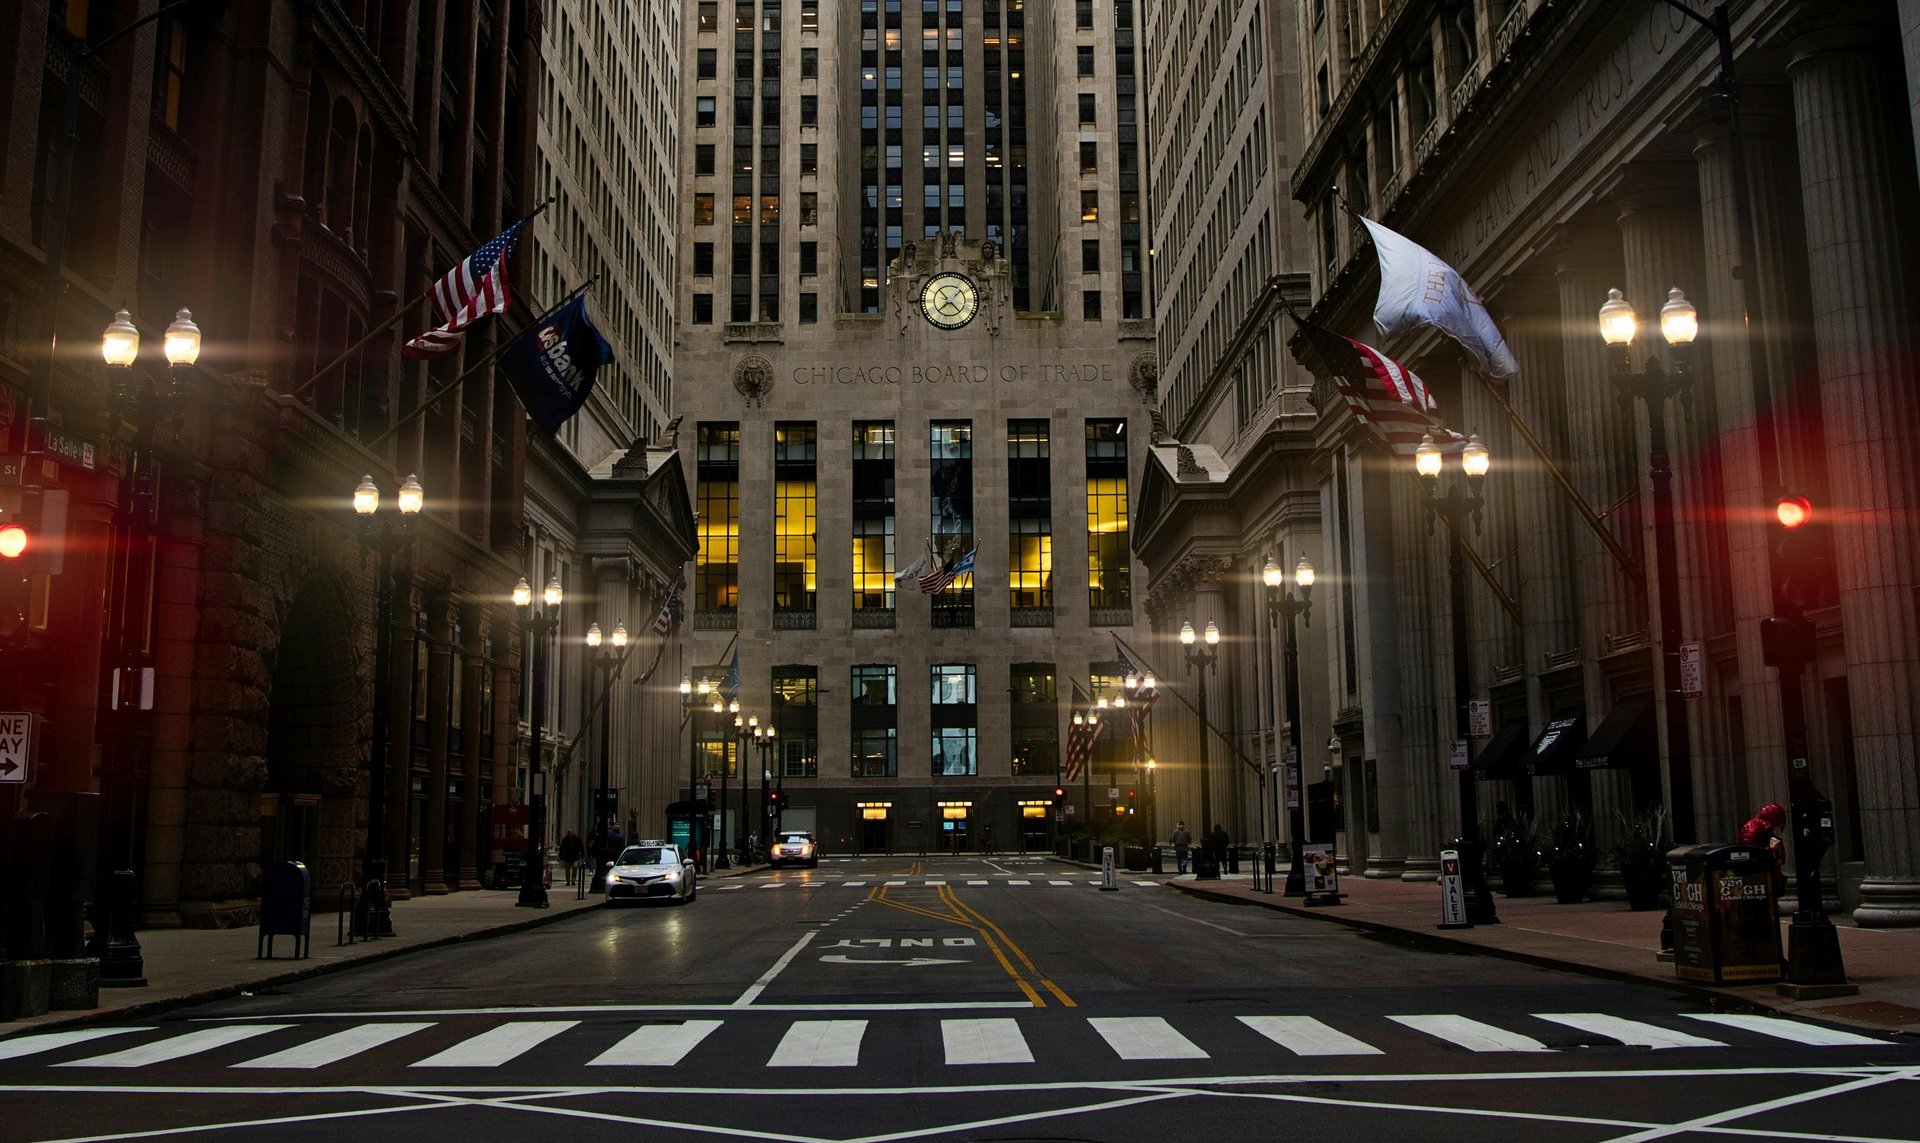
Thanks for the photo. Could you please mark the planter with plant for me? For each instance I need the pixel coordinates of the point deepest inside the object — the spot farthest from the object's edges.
(1571, 858)
(1641, 855)
(1512, 850)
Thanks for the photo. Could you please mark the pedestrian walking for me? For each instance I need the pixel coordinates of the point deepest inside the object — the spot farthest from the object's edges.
(571, 851)
(1182, 842)
(1217, 844)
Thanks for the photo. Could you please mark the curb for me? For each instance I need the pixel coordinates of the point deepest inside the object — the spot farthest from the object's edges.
(1437, 942)
(226, 991)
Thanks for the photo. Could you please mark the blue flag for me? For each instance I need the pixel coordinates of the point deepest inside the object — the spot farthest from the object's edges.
(552, 363)
(733, 676)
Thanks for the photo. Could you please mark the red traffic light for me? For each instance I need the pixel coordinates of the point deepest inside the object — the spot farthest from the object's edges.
(1059, 792)
(14, 541)
(1792, 511)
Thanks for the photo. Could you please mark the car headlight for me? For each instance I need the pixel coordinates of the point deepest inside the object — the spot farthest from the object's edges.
(614, 879)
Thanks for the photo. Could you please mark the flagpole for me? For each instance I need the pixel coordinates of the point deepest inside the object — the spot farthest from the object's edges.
(1141, 660)
(396, 316)
(490, 359)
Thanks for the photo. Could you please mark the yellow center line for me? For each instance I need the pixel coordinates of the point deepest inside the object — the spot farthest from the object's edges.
(879, 895)
(953, 901)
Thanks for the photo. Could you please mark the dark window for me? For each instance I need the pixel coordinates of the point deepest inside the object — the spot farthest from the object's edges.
(703, 111)
(703, 258)
(1090, 304)
(809, 158)
(809, 258)
(709, 15)
(708, 64)
(1085, 54)
(1088, 114)
(1083, 13)
(1089, 157)
(703, 158)
(1089, 256)
(809, 308)
(809, 63)
(809, 110)
(703, 309)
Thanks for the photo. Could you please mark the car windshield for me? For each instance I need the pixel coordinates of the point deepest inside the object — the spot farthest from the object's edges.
(648, 855)
(794, 839)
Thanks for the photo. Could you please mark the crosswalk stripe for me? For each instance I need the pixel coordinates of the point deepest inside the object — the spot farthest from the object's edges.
(985, 1042)
(1064, 882)
(1472, 1035)
(1146, 883)
(773, 885)
(656, 1045)
(820, 1044)
(496, 1046)
(1811, 1035)
(933, 881)
(48, 1041)
(1633, 1033)
(1306, 1036)
(894, 883)
(1019, 882)
(336, 1047)
(853, 884)
(1145, 1038)
(177, 1047)
(976, 882)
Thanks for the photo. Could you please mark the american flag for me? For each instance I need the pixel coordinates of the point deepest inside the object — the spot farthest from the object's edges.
(1140, 704)
(658, 654)
(476, 287)
(1388, 399)
(669, 613)
(1080, 740)
(939, 579)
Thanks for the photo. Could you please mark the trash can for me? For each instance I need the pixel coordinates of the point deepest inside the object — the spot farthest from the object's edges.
(1135, 858)
(1725, 930)
(1206, 864)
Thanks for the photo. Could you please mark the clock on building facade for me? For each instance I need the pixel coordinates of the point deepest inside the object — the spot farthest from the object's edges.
(949, 300)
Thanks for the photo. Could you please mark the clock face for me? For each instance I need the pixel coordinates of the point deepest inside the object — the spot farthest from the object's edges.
(949, 300)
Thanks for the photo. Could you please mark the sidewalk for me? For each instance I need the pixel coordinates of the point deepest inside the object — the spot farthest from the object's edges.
(1603, 938)
(193, 966)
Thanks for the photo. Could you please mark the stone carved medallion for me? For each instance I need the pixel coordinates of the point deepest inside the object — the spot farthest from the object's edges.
(753, 378)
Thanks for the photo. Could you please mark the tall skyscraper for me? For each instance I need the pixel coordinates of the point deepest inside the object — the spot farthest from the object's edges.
(914, 316)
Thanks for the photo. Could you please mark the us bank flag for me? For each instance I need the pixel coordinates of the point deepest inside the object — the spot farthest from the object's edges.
(1417, 288)
(552, 363)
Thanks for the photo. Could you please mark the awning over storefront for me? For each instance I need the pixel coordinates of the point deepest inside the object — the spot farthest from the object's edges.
(1554, 751)
(1627, 737)
(1501, 757)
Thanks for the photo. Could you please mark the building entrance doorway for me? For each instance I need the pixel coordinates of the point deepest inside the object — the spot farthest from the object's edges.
(1033, 826)
(955, 826)
(874, 834)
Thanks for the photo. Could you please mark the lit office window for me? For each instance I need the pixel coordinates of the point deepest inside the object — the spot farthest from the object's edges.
(950, 454)
(873, 551)
(795, 485)
(1029, 516)
(717, 476)
(1109, 567)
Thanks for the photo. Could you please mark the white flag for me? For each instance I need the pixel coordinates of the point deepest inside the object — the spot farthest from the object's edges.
(1417, 288)
(916, 569)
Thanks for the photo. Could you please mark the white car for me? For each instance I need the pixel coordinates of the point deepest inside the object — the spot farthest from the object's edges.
(651, 870)
(793, 847)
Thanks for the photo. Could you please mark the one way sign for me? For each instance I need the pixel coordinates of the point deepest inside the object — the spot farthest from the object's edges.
(16, 743)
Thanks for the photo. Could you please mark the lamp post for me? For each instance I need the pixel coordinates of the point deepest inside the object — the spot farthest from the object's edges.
(1282, 607)
(1201, 661)
(1653, 385)
(694, 697)
(387, 539)
(1458, 507)
(1153, 815)
(141, 403)
(740, 764)
(1143, 692)
(763, 740)
(539, 624)
(1089, 720)
(609, 662)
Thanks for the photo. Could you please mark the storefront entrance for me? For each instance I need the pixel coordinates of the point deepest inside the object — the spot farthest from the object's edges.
(875, 837)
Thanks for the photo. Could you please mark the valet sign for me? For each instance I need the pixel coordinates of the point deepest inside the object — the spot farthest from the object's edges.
(16, 745)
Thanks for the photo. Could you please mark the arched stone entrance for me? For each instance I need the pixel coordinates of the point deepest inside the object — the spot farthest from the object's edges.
(310, 801)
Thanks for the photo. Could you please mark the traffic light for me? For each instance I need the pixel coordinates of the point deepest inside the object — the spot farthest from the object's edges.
(15, 539)
(1803, 579)
(1059, 794)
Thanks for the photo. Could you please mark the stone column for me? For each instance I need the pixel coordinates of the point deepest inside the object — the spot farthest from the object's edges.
(1423, 666)
(1856, 184)
(506, 714)
(473, 765)
(1600, 453)
(433, 827)
(406, 613)
(1729, 796)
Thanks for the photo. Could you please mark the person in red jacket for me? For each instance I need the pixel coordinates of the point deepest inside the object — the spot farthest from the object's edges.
(1763, 829)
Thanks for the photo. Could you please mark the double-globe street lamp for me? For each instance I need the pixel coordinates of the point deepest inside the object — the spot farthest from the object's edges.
(140, 402)
(539, 624)
(1143, 692)
(376, 919)
(609, 662)
(1458, 507)
(1282, 607)
(694, 698)
(763, 738)
(1202, 660)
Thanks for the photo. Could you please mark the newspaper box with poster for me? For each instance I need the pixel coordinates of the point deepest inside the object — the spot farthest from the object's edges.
(1319, 880)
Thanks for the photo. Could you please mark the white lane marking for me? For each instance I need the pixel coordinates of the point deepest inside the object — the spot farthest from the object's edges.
(892, 884)
(1306, 1036)
(996, 1041)
(1633, 1033)
(852, 884)
(48, 1041)
(176, 1047)
(820, 1044)
(914, 1006)
(1707, 1122)
(934, 881)
(1147, 883)
(786, 958)
(1811, 1035)
(1472, 1035)
(977, 882)
(1068, 883)
(774, 885)
(1197, 920)
(435, 1102)
(496, 1046)
(331, 1049)
(1145, 1038)
(1019, 882)
(656, 1045)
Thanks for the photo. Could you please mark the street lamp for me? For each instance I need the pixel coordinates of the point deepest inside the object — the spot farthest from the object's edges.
(1653, 385)
(610, 663)
(693, 697)
(1202, 661)
(137, 401)
(386, 540)
(763, 738)
(740, 731)
(1089, 720)
(538, 624)
(1282, 607)
(1457, 508)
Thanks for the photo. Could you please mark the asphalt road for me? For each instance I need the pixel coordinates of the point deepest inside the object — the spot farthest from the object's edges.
(1002, 999)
